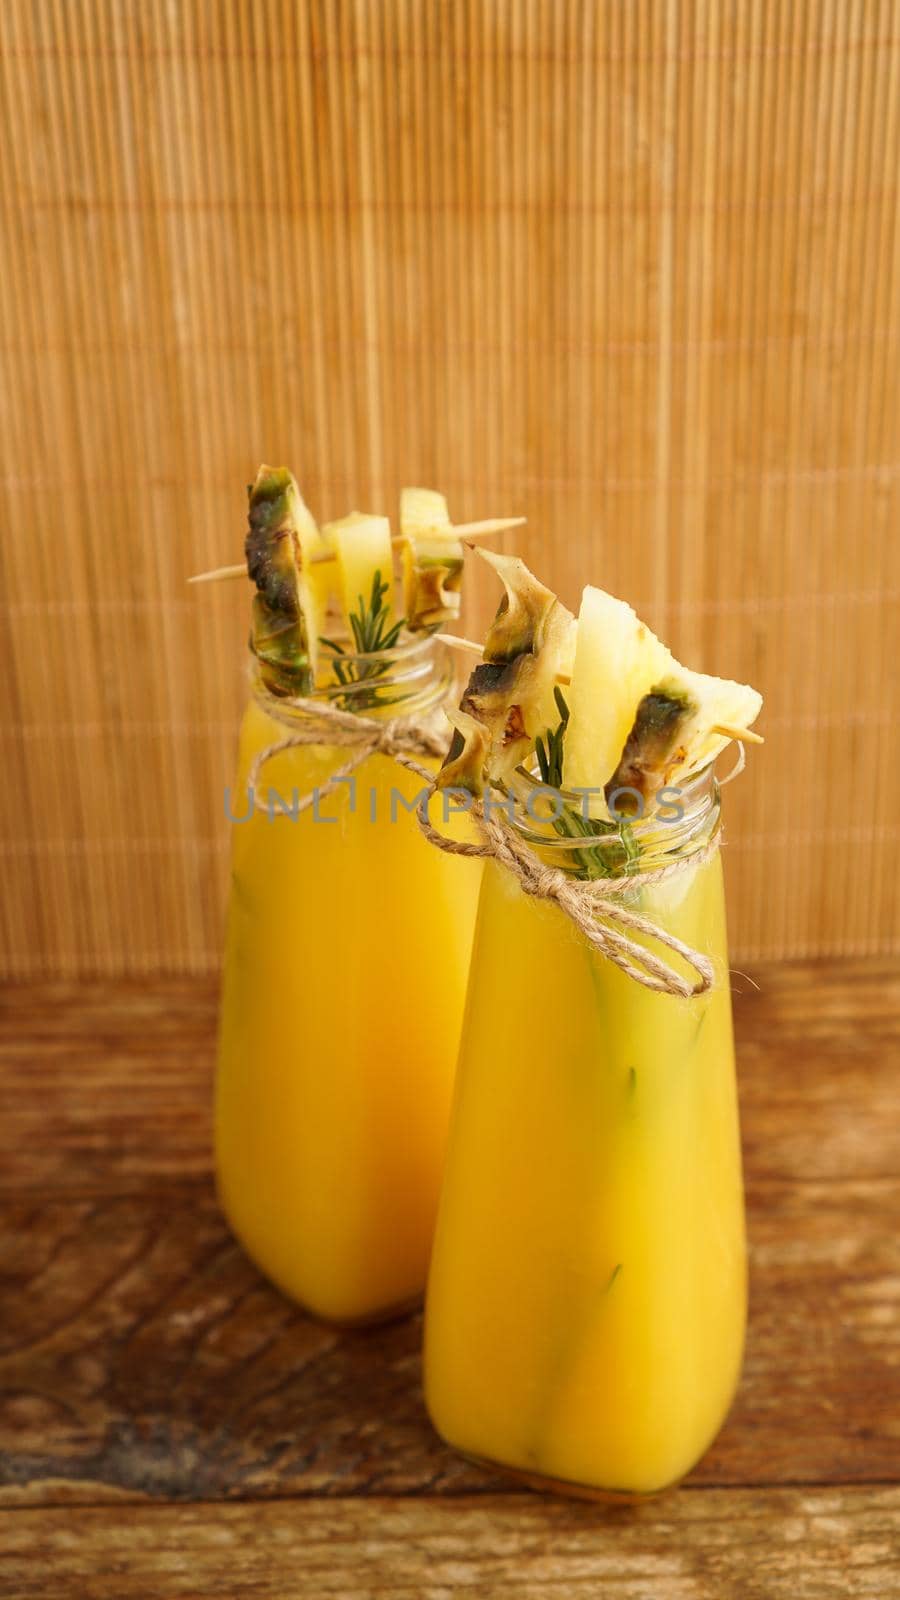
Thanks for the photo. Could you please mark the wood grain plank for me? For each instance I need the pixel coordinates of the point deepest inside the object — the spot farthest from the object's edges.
(106, 1085)
(818, 1046)
(795, 1544)
(142, 1355)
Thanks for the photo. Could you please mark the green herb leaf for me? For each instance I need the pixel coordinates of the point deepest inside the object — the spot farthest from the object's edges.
(372, 637)
(619, 850)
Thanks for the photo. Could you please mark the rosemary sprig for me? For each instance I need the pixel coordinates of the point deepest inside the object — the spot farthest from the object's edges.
(371, 636)
(620, 850)
(550, 753)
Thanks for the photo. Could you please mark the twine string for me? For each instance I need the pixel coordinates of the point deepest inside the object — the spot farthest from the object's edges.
(595, 907)
(400, 738)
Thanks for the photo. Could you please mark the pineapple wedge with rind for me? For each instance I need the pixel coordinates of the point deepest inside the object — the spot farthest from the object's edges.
(432, 561)
(713, 704)
(532, 638)
(279, 643)
(362, 546)
(676, 730)
(617, 662)
(278, 522)
(284, 634)
(523, 615)
(654, 745)
(464, 763)
(493, 696)
(528, 647)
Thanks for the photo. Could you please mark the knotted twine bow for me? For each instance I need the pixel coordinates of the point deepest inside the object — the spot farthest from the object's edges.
(594, 906)
(400, 738)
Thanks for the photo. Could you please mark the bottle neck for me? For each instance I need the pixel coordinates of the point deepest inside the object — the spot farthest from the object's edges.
(413, 678)
(677, 824)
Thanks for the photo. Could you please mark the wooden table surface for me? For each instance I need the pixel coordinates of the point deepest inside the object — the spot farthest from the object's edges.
(170, 1425)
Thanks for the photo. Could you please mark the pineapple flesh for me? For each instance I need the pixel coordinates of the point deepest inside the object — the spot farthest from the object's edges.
(362, 547)
(432, 561)
(634, 718)
(617, 662)
(639, 720)
(527, 648)
(712, 707)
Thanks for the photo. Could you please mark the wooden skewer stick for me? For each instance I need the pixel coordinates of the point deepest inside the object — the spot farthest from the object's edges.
(479, 530)
(463, 530)
(457, 643)
(238, 571)
(746, 735)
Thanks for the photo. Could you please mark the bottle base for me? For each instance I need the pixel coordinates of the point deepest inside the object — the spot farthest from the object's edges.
(566, 1488)
(368, 1319)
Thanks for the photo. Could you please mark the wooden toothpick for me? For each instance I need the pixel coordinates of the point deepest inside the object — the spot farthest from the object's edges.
(481, 530)
(237, 571)
(457, 643)
(745, 735)
(462, 530)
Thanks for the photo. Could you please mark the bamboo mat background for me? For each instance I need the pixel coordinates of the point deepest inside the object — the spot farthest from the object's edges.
(628, 267)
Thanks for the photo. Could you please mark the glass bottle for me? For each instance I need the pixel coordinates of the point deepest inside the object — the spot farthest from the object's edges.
(587, 1295)
(346, 962)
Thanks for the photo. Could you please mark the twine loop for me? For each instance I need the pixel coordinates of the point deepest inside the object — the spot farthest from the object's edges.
(596, 907)
(400, 738)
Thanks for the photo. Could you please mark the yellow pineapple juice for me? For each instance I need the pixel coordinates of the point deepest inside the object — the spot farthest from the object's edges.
(346, 962)
(586, 1302)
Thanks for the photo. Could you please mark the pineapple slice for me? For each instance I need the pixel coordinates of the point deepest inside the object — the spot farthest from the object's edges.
(520, 621)
(321, 572)
(655, 743)
(680, 727)
(284, 632)
(465, 761)
(362, 545)
(721, 705)
(528, 647)
(279, 643)
(493, 696)
(532, 640)
(432, 561)
(709, 708)
(272, 546)
(424, 511)
(617, 662)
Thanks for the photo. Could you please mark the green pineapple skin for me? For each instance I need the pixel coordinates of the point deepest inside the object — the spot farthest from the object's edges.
(652, 744)
(279, 635)
(493, 697)
(463, 765)
(432, 584)
(516, 631)
(269, 546)
(278, 641)
(520, 623)
(490, 688)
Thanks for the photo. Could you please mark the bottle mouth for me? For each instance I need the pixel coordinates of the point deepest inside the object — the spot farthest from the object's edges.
(415, 674)
(678, 821)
